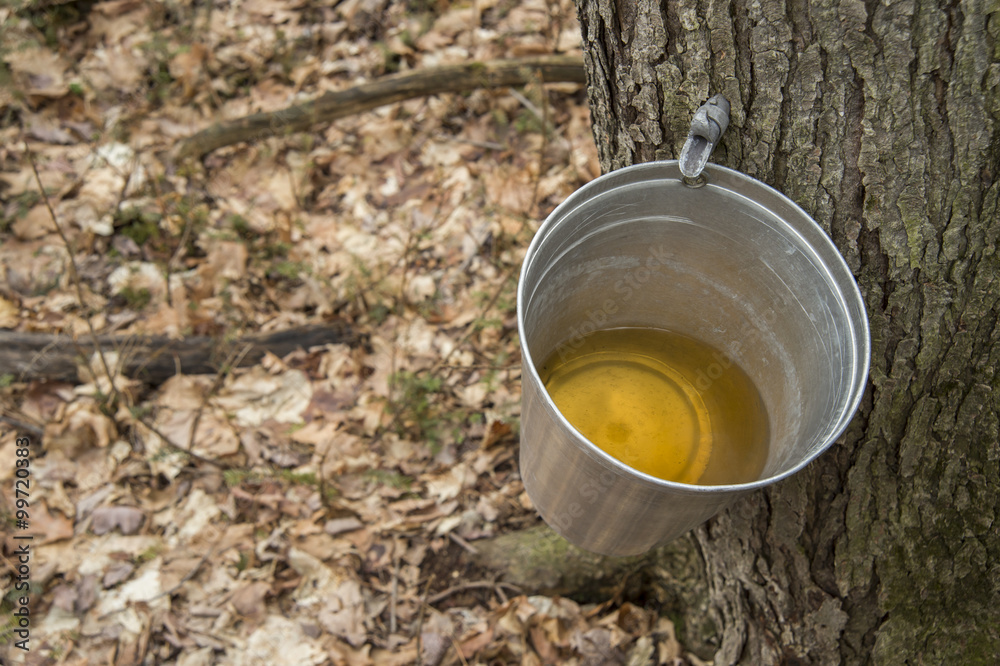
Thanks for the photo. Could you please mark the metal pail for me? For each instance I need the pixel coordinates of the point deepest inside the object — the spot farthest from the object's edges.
(730, 262)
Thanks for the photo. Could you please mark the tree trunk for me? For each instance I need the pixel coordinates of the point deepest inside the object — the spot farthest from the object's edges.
(880, 120)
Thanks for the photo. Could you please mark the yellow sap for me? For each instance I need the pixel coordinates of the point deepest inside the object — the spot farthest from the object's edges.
(662, 403)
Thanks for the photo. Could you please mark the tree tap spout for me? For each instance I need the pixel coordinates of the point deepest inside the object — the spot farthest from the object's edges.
(707, 126)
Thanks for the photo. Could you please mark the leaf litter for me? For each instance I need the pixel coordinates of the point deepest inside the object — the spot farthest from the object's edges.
(317, 508)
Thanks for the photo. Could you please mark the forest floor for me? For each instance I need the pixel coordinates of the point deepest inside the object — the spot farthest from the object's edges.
(316, 508)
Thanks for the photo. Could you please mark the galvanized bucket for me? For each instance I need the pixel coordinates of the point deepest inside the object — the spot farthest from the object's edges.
(724, 259)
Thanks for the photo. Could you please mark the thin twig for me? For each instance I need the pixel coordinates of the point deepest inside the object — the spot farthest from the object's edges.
(488, 145)
(555, 24)
(126, 179)
(35, 430)
(232, 361)
(541, 151)
(35, 358)
(394, 592)
(420, 620)
(402, 300)
(472, 329)
(191, 574)
(175, 258)
(8, 564)
(458, 649)
(477, 585)
(73, 272)
(540, 114)
(396, 413)
(180, 449)
(463, 543)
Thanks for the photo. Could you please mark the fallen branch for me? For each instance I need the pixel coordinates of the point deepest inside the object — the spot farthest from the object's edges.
(154, 359)
(387, 90)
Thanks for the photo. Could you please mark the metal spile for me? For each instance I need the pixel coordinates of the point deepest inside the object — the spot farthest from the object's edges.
(709, 122)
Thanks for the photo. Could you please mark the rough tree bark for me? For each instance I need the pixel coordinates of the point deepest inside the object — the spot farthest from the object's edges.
(879, 119)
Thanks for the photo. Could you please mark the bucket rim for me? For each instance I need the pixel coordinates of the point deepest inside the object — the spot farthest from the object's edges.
(742, 185)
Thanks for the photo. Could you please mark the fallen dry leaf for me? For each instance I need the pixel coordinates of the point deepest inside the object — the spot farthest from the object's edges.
(257, 396)
(340, 525)
(9, 313)
(144, 587)
(187, 67)
(117, 573)
(249, 599)
(226, 260)
(39, 71)
(278, 641)
(214, 436)
(343, 613)
(128, 519)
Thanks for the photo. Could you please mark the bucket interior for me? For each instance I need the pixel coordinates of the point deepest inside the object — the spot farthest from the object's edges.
(744, 271)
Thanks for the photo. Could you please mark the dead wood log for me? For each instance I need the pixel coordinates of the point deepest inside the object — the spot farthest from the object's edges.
(387, 90)
(154, 359)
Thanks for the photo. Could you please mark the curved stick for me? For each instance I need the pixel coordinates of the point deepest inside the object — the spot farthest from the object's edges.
(395, 88)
